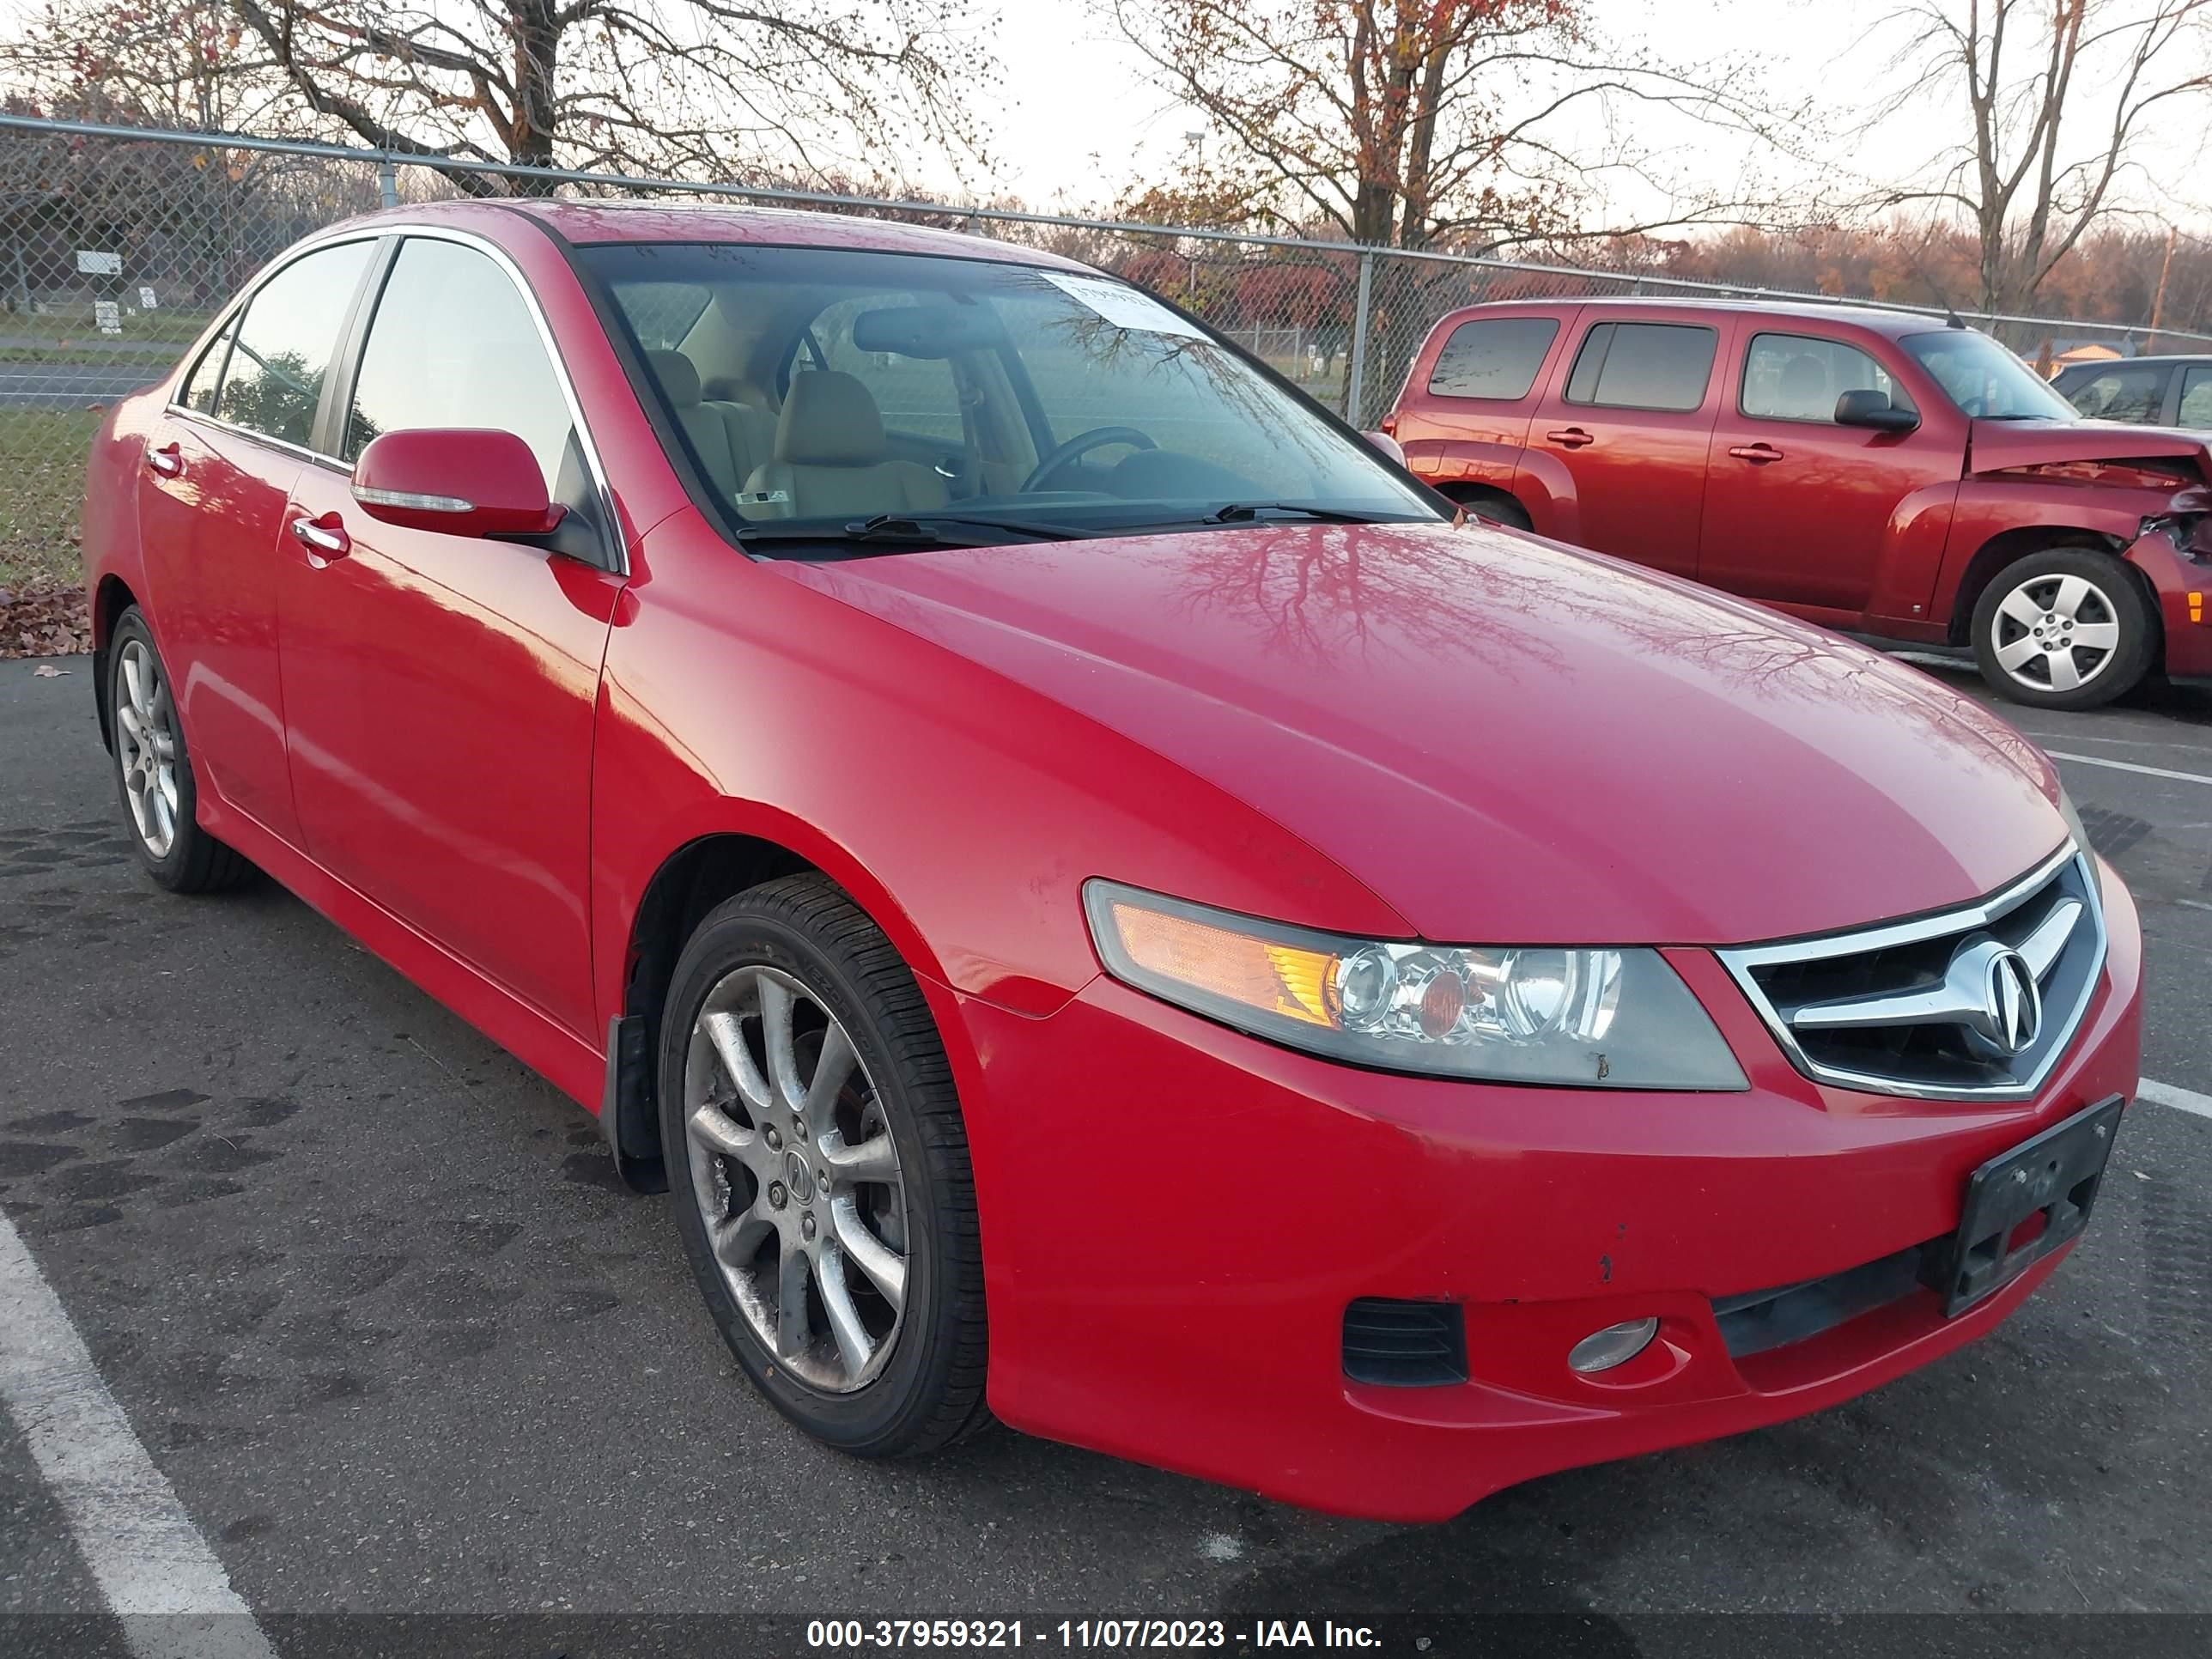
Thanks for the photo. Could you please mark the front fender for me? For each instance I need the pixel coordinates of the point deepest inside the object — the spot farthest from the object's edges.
(961, 809)
(1988, 508)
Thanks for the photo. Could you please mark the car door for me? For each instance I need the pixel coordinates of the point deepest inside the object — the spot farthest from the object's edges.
(1799, 510)
(1616, 454)
(220, 464)
(441, 690)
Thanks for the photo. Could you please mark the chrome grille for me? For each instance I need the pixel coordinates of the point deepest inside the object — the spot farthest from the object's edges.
(1975, 1002)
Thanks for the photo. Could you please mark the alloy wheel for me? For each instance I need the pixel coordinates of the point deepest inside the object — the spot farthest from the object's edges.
(146, 747)
(798, 1178)
(2056, 632)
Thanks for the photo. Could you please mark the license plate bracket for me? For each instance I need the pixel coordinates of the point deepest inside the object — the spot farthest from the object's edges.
(2055, 1174)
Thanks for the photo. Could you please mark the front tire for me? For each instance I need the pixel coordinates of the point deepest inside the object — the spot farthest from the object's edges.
(2064, 628)
(819, 1164)
(154, 770)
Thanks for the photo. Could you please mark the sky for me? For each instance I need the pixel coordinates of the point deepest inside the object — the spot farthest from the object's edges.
(1077, 120)
(1073, 120)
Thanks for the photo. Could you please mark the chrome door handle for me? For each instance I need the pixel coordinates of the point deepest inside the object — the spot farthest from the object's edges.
(168, 461)
(328, 539)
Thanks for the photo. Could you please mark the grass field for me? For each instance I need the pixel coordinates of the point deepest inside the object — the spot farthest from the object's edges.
(42, 454)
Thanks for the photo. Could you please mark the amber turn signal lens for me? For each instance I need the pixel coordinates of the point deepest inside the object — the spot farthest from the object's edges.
(1275, 978)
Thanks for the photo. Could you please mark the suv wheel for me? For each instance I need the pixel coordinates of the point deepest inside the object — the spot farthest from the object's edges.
(819, 1164)
(2065, 629)
(154, 770)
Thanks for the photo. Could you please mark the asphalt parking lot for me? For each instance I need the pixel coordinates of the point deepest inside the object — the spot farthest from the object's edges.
(364, 1290)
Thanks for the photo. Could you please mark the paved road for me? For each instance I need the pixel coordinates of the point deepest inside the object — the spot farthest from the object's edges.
(71, 385)
(365, 1292)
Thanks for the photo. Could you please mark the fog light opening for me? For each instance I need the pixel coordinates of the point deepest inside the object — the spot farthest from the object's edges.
(1616, 1344)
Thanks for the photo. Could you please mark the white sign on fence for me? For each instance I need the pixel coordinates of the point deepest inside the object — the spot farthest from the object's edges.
(90, 264)
(145, 299)
(108, 315)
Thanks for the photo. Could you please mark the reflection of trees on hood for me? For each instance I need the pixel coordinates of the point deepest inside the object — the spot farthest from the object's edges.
(1319, 592)
(1324, 593)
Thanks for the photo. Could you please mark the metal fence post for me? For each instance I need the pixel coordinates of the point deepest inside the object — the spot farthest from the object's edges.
(1358, 380)
(387, 181)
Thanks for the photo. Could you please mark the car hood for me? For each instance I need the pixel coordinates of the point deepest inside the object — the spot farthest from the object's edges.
(2000, 445)
(1507, 740)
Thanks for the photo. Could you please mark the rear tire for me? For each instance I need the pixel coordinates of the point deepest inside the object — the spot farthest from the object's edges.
(154, 770)
(1497, 509)
(2068, 627)
(841, 1186)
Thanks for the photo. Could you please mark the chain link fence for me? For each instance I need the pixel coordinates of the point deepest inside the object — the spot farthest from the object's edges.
(117, 246)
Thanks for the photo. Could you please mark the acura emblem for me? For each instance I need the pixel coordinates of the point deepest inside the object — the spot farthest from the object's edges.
(2011, 1007)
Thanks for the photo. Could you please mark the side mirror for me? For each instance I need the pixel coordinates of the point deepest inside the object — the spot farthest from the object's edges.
(1874, 410)
(1391, 448)
(460, 481)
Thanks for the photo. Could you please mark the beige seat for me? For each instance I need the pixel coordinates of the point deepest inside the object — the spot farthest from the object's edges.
(831, 459)
(730, 439)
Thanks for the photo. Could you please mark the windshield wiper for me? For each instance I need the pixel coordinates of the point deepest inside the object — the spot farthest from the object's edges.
(1244, 512)
(910, 529)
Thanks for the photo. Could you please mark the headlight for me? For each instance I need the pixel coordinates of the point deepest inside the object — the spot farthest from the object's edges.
(2067, 812)
(1592, 1018)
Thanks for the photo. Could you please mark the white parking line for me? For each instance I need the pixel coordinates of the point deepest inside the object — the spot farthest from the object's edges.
(2128, 766)
(2182, 1100)
(155, 1571)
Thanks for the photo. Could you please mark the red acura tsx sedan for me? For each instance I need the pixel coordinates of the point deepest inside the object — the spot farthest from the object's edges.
(1107, 903)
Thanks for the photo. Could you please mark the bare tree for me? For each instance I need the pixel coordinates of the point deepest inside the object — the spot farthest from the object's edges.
(2055, 97)
(1418, 123)
(718, 86)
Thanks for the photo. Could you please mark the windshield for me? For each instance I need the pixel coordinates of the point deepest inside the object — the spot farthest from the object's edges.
(1984, 379)
(821, 393)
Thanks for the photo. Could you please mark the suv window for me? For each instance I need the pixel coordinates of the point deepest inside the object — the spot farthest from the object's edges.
(286, 341)
(206, 378)
(2119, 394)
(2195, 397)
(918, 396)
(1494, 357)
(1798, 377)
(454, 344)
(1644, 365)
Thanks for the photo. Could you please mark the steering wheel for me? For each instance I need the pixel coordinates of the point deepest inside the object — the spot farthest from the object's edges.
(1082, 444)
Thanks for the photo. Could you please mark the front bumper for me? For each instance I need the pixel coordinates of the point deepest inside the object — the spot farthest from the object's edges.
(1175, 1218)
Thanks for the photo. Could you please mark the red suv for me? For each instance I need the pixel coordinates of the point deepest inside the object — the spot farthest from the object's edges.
(1870, 471)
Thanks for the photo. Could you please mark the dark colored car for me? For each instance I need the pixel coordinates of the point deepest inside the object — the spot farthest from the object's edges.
(2141, 391)
(1873, 472)
(1105, 903)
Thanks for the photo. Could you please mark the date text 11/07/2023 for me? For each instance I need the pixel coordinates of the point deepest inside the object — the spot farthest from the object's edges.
(1086, 1633)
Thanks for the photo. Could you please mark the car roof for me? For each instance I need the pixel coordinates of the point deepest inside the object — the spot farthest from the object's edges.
(1877, 319)
(2161, 361)
(590, 222)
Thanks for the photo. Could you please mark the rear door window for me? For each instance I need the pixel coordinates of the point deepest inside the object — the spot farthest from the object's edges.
(206, 378)
(2195, 397)
(285, 343)
(2132, 394)
(1660, 366)
(1494, 357)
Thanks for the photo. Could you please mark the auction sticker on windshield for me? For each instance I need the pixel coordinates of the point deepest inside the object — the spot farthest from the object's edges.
(1124, 306)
